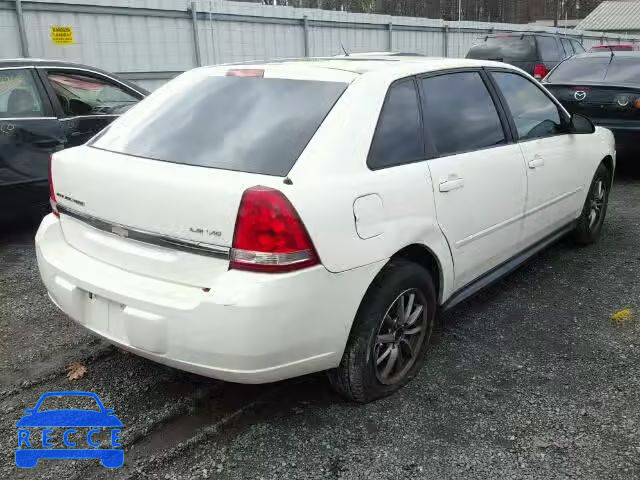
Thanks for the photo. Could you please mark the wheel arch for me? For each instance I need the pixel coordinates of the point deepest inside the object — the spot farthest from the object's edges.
(425, 257)
(421, 255)
(610, 165)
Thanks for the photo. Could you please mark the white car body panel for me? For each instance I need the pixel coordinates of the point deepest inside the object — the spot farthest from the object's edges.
(188, 310)
(481, 234)
(557, 184)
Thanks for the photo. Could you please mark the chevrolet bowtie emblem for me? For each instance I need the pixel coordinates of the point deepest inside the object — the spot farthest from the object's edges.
(121, 232)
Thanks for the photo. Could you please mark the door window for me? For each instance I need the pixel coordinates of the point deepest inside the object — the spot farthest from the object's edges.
(459, 113)
(533, 112)
(568, 47)
(19, 96)
(81, 95)
(398, 139)
(549, 51)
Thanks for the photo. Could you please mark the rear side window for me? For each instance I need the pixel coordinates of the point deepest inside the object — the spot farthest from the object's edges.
(19, 96)
(533, 112)
(568, 47)
(398, 138)
(83, 95)
(514, 48)
(247, 124)
(548, 48)
(459, 113)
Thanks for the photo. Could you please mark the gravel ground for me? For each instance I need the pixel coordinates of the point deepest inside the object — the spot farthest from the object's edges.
(530, 379)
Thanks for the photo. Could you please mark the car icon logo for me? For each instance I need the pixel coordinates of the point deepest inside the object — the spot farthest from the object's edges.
(580, 95)
(77, 433)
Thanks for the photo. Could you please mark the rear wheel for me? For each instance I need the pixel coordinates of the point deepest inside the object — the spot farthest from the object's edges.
(595, 208)
(390, 335)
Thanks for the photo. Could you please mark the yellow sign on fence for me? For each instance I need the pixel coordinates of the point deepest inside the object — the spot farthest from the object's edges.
(61, 35)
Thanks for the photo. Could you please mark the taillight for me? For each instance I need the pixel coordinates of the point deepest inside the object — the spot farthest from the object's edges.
(636, 104)
(540, 71)
(52, 193)
(269, 235)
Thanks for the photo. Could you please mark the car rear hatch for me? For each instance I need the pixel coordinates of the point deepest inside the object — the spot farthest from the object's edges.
(158, 192)
(599, 102)
(604, 87)
(519, 50)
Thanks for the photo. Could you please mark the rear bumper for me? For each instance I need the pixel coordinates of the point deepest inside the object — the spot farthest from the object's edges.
(254, 328)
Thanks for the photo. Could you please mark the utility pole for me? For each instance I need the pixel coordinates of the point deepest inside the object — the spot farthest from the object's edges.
(459, 10)
(557, 14)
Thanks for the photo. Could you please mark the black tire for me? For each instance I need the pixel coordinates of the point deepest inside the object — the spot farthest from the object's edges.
(360, 375)
(588, 230)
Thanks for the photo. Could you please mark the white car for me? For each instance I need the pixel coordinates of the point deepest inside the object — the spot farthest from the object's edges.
(254, 223)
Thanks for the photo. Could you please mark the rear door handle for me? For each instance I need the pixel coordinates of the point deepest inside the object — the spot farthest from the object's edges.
(451, 184)
(537, 162)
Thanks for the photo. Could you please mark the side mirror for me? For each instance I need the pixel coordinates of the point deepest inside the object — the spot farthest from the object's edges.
(581, 125)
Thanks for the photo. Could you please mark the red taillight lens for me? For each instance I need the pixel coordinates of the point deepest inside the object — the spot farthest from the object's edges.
(52, 193)
(269, 235)
(540, 71)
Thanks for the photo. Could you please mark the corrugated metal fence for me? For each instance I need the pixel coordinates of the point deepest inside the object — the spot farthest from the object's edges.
(150, 41)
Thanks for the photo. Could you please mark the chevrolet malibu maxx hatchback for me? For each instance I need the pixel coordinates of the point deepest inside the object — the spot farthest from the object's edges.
(254, 223)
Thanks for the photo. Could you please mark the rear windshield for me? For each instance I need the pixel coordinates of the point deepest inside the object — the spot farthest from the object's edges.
(598, 69)
(507, 48)
(247, 124)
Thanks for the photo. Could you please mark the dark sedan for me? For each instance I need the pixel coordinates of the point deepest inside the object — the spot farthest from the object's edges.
(605, 87)
(46, 106)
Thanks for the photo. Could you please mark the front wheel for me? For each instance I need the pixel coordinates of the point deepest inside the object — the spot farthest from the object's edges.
(390, 335)
(595, 208)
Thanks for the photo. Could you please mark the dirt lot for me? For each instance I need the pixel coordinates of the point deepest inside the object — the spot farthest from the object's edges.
(531, 379)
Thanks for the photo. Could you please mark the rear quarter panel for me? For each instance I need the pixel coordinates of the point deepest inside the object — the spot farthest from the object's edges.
(332, 173)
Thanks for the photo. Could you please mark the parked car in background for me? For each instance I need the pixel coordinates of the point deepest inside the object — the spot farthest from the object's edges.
(535, 53)
(616, 47)
(258, 222)
(605, 87)
(46, 106)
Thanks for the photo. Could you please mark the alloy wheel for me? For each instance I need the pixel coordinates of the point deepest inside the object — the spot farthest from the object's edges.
(597, 203)
(400, 336)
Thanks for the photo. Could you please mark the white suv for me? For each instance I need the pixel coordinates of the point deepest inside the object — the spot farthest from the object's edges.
(254, 223)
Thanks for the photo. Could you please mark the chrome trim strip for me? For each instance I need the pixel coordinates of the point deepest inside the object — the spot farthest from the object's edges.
(522, 216)
(106, 115)
(93, 72)
(86, 70)
(143, 236)
(21, 67)
(553, 201)
(15, 119)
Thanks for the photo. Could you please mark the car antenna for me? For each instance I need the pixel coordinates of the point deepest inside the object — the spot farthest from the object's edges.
(612, 55)
(346, 54)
